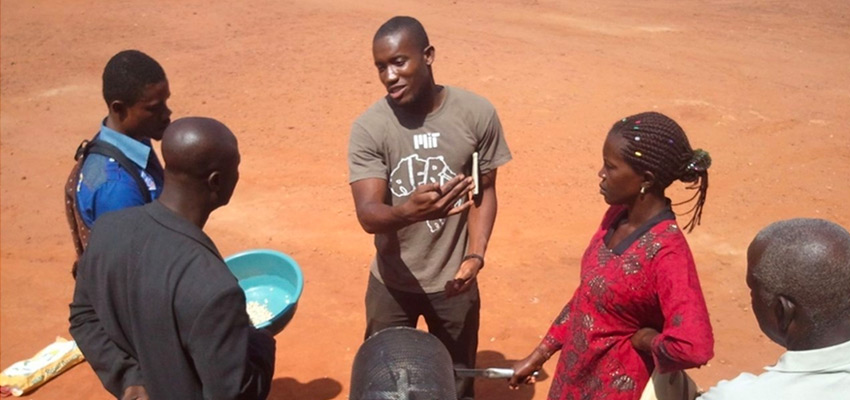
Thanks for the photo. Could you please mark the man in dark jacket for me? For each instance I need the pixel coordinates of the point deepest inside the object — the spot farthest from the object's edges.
(155, 310)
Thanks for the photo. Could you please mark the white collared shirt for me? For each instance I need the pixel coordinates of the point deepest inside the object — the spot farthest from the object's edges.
(820, 374)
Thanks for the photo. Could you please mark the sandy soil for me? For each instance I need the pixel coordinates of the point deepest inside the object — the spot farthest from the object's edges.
(760, 84)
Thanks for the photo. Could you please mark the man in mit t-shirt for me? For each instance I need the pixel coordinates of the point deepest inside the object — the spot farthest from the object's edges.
(410, 156)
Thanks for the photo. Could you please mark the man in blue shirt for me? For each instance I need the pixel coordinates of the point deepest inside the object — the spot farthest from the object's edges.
(135, 90)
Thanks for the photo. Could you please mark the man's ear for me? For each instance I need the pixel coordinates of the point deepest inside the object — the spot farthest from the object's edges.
(214, 181)
(430, 54)
(117, 107)
(785, 311)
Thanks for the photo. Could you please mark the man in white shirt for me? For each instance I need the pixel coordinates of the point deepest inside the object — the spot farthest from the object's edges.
(798, 272)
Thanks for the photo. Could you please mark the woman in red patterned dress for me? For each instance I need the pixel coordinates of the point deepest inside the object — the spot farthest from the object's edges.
(639, 306)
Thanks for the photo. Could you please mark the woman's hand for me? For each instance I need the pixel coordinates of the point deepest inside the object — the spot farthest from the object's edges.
(525, 368)
(642, 339)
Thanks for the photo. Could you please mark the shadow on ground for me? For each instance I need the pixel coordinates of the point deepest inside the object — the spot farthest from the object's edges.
(497, 389)
(317, 389)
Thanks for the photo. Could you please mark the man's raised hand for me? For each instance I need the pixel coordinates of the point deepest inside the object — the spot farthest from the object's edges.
(432, 201)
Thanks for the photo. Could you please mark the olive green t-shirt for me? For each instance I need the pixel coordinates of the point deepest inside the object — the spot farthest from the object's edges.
(406, 151)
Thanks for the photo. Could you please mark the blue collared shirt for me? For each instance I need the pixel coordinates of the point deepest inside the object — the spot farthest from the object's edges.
(105, 185)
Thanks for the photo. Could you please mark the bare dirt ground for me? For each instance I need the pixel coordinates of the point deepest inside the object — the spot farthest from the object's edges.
(763, 85)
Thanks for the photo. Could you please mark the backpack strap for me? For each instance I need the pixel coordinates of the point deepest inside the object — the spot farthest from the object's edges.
(106, 149)
(79, 231)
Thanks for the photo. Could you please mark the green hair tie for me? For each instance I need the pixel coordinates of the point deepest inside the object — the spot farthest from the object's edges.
(700, 161)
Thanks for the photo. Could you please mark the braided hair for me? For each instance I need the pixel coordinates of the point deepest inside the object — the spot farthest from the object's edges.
(657, 144)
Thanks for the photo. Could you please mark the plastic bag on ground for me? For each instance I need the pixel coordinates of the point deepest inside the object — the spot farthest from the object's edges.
(24, 376)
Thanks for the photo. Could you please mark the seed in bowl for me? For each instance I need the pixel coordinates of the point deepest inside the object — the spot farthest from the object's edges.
(258, 313)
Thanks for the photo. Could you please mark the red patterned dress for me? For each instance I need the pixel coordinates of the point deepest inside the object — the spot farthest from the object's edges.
(648, 280)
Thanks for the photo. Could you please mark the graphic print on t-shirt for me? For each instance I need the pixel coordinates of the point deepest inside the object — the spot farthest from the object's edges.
(413, 171)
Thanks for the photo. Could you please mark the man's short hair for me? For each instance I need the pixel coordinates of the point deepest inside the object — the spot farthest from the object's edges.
(402, 23)
(127, 74)
(807, 260)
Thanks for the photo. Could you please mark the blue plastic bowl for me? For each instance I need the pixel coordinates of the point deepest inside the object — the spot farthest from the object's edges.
(270, 278)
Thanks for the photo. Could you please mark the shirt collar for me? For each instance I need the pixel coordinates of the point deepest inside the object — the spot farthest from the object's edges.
(832, 358)
(137, 151)
(628, 240)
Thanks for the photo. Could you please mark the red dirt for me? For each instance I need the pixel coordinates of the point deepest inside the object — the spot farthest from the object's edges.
(762, 85)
